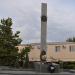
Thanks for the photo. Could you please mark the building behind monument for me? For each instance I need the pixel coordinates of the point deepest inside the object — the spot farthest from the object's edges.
(56, 51)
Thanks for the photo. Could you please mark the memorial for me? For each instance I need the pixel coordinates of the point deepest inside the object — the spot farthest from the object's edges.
(43, 66)
(43, 44)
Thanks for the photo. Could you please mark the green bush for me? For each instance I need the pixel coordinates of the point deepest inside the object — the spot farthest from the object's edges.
(69, 65)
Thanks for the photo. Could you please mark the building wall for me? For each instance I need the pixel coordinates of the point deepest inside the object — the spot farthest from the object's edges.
(64, 52)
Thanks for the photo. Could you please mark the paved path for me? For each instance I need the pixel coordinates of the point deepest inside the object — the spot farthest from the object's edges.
(7, 71)
(32, 73)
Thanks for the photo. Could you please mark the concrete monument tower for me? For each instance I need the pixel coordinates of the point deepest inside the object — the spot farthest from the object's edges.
(43, 66)
(43, 30)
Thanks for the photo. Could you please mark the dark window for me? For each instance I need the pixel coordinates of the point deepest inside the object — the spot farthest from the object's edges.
(71, 48)
(57, 48)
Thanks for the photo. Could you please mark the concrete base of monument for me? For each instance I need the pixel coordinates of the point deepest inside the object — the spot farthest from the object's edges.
(47, 68)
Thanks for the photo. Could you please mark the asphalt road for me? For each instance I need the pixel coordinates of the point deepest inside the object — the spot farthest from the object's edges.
(32, 73)
(7, 71)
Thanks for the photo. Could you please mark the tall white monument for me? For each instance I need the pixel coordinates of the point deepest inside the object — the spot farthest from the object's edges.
(43, 29)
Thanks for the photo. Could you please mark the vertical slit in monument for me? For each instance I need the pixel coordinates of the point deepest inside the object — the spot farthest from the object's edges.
(43, 33)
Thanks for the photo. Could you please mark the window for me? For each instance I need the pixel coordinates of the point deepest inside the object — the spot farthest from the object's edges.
(57, 48)
(64, 47)
(38, 46)
(72, 48)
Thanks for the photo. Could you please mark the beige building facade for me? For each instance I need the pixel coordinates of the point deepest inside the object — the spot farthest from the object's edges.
(56, 51)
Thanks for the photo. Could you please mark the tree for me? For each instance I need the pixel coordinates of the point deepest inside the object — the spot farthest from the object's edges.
(24, 56)
(8, 41)
(71, 39)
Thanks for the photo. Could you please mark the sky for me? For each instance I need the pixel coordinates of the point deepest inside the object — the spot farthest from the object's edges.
(26, 15)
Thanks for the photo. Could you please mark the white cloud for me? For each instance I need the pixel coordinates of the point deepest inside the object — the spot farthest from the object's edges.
(26, 16)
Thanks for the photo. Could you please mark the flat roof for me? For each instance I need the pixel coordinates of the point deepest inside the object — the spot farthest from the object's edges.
(49, 43)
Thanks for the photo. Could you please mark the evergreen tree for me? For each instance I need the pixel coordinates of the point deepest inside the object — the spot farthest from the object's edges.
(24, 56)
(71, 39)
(8, 41)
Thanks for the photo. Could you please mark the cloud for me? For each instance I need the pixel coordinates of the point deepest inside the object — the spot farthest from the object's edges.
(26, 18)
